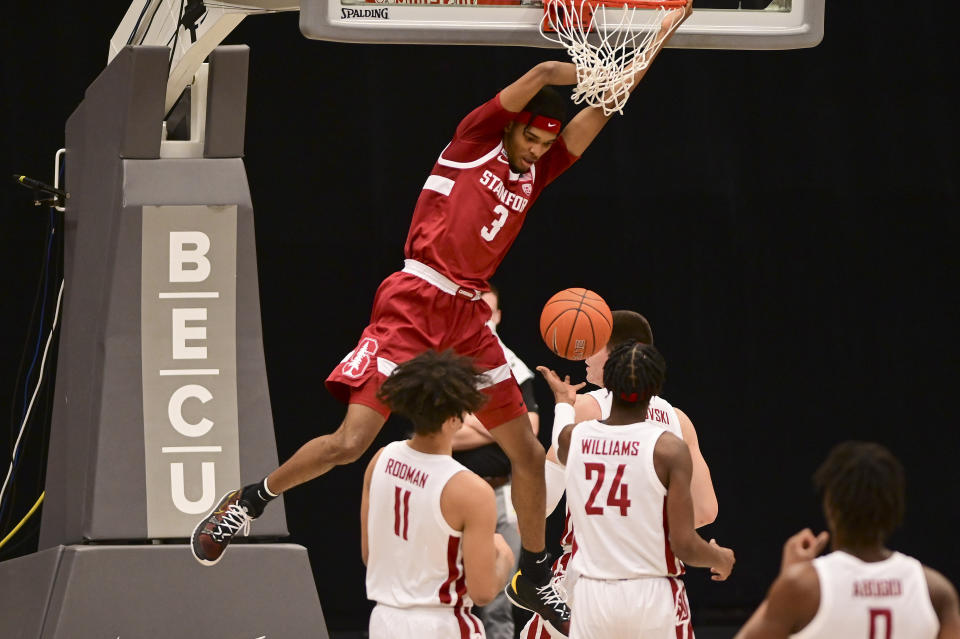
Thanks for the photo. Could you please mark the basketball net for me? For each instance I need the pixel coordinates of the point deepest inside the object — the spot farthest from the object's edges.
(607, 51)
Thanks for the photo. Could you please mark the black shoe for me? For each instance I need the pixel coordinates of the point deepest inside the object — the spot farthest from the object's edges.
(212, 535)
(547, 601)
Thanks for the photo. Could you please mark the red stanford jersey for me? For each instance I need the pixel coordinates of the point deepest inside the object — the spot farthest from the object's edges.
(472, 205)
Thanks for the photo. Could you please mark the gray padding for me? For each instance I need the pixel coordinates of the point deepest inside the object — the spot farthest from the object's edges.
(95, 481)
(121, 114)
(26, 585)
(226, 102)
(193, 181)
(158, 592)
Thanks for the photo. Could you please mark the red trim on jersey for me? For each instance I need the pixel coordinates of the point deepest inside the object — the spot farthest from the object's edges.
(453, 550)
(668, 551)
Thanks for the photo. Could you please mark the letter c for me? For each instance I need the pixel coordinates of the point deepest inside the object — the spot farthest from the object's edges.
(175, 410)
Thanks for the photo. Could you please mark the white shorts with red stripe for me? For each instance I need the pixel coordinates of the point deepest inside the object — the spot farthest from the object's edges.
(387, 622)
(536, 629)
(651, 607)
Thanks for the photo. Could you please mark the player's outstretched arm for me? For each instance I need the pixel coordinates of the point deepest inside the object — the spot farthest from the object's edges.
(790, 605)
(365, 507)
(943, 596)
(584, 127)
(468, 504)
(564, 412)
(671, 460)
(705, 505)
(517, 95)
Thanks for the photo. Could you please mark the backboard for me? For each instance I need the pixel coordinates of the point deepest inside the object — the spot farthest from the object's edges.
(715, 24)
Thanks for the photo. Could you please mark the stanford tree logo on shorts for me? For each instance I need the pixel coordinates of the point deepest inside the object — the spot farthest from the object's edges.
(357, 363)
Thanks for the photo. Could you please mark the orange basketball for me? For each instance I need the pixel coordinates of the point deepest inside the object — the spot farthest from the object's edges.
(575, 323)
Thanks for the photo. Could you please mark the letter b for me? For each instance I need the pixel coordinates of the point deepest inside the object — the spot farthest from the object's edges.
(189, 247)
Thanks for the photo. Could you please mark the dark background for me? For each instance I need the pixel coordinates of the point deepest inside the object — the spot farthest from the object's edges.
(786, 220)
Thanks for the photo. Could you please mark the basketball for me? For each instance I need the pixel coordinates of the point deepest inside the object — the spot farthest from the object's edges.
(575, 323)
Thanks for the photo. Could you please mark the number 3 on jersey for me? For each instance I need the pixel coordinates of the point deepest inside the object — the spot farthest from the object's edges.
(617, 496)
(490, 232)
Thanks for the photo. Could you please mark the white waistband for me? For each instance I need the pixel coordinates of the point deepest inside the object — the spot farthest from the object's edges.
(435, 278)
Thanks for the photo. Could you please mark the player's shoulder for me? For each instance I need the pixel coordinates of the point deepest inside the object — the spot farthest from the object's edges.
(800, 575)
(942, 592)
(465, 482)
(671, 449)
(465, 497)
(376, 457)
(796, 593)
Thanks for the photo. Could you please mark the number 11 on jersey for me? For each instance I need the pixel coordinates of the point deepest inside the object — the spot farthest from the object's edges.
(401, 511)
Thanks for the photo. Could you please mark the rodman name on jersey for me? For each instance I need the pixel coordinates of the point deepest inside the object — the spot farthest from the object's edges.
(473, 205)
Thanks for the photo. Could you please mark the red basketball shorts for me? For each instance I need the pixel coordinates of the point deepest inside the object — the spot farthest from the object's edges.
(411, 316)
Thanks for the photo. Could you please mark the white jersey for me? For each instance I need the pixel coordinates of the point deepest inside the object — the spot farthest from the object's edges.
(886, 599)
(617, 503)
(415, 557)
(521, 372)
(659, 410)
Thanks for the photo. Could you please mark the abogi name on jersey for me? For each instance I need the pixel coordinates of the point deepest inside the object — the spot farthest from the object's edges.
(509, 199)
(877, 588)
(406, 472)
(606, 447)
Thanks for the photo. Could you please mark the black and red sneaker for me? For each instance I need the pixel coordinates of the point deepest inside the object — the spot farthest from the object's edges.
(212, 535)
(548, 601)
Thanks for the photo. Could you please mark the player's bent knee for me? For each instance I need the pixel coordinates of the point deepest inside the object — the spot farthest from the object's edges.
(530, 456)
(349, 446)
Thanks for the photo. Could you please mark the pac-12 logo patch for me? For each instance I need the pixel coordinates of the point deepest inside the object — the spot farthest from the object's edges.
(358, 361)
(527, 188)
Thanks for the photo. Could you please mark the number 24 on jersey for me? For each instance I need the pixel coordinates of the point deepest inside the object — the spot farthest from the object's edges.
(617, 496)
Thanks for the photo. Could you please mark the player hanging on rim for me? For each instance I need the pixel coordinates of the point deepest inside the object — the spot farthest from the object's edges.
(596, 405)
(427, 523)
(862, 589)
(469, 212)
(628, 490)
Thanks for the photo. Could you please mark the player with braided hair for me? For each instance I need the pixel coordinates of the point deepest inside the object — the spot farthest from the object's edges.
(634, 374)
(628, 491)
(596, 405)
(862, 588)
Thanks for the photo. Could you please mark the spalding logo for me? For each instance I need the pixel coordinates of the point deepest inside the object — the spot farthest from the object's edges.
(382, 13)
(359, 361)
